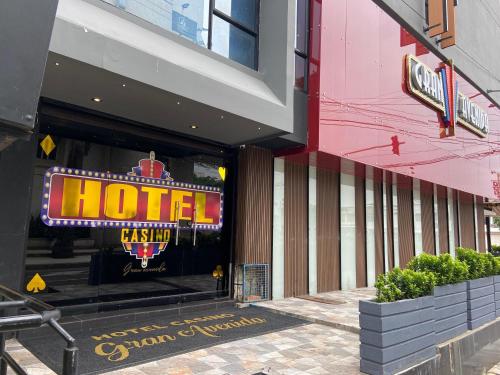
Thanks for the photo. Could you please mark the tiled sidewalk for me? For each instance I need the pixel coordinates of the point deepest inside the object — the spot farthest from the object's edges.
(344, 315)
(27, 360)
(328, 346)
(494, 370)
(308, 349)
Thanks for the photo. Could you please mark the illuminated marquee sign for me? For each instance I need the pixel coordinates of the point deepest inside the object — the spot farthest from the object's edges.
(440, 90)
(145, 198)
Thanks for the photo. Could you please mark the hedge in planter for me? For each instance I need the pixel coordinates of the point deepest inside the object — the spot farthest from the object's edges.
(397, 329)
(450, 293)
(480, 287)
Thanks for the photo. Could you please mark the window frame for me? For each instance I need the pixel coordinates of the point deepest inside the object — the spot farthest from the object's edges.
(214, 12)
(303, 54)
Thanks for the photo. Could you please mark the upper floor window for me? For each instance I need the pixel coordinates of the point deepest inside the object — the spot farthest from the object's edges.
(301, 44)
(228, 27)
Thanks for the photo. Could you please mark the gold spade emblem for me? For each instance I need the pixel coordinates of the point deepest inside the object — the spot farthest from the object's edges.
(36, 284)
(222, 173)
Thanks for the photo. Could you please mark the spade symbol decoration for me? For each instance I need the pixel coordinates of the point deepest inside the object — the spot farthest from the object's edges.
(36, 284)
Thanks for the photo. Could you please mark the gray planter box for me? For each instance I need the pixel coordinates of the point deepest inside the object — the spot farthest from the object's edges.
(481, 307)
(394, 336)
(450, 311)
(496, 281)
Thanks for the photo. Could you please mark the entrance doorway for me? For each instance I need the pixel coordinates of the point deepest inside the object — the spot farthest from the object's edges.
(90, 267)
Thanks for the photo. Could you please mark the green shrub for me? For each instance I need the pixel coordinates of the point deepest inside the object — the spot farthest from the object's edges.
(495, 250)
(473, 261)
(479, 264)
(490, 265)
(497, 266)
(404, 284)
(446, 269)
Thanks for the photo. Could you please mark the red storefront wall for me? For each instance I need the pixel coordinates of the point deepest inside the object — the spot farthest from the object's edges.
(358, 101)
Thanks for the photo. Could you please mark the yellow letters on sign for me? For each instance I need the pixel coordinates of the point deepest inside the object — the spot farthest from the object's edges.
(72, 196)
(201, 200)
(178, 196)
(154, 201)
(113, 199)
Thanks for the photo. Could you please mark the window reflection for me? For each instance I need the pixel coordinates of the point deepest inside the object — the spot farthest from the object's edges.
(300, 72)
(301, 44)
(241, 11)
(233, 43)
(234, 38)
(302, 26)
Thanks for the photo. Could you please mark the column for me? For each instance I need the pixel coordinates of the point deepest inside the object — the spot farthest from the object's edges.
(417, 217)
(347, 226)
(476, 234)
(16, 173)
(436, 219)
(313, 264)
(370, 226)
(459, 219)
(278, 270)
(386, 236)
(395, 223)
(451, 222)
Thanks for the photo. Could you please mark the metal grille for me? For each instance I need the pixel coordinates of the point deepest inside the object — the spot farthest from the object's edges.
(252, 282)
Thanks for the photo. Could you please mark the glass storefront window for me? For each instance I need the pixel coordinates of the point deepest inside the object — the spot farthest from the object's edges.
(302, 26)
(190, 19)
(242, 11)
(233, 43)
(300, 72)
(301, 44)
(95, 265)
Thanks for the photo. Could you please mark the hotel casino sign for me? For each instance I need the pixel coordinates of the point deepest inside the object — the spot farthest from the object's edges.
(439, 89)
(143, 200)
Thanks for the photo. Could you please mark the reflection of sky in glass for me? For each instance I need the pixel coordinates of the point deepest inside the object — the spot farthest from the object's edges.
(233, 43)
(243, 11)
(160, 13)
(206, 170)
(190, 19)
(220, 37)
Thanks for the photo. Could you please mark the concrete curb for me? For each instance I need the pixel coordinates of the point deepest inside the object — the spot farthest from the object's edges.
(452, 354)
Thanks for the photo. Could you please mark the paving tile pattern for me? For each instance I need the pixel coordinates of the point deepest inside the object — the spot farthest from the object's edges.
(344, 315)
(328, 346)
(309, 349)
(27, 360)
(494, 370)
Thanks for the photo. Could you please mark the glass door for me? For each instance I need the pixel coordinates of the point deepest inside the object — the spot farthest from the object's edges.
(100, 253)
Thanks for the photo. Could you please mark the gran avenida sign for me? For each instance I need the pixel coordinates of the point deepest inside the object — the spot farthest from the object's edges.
(439, 89)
